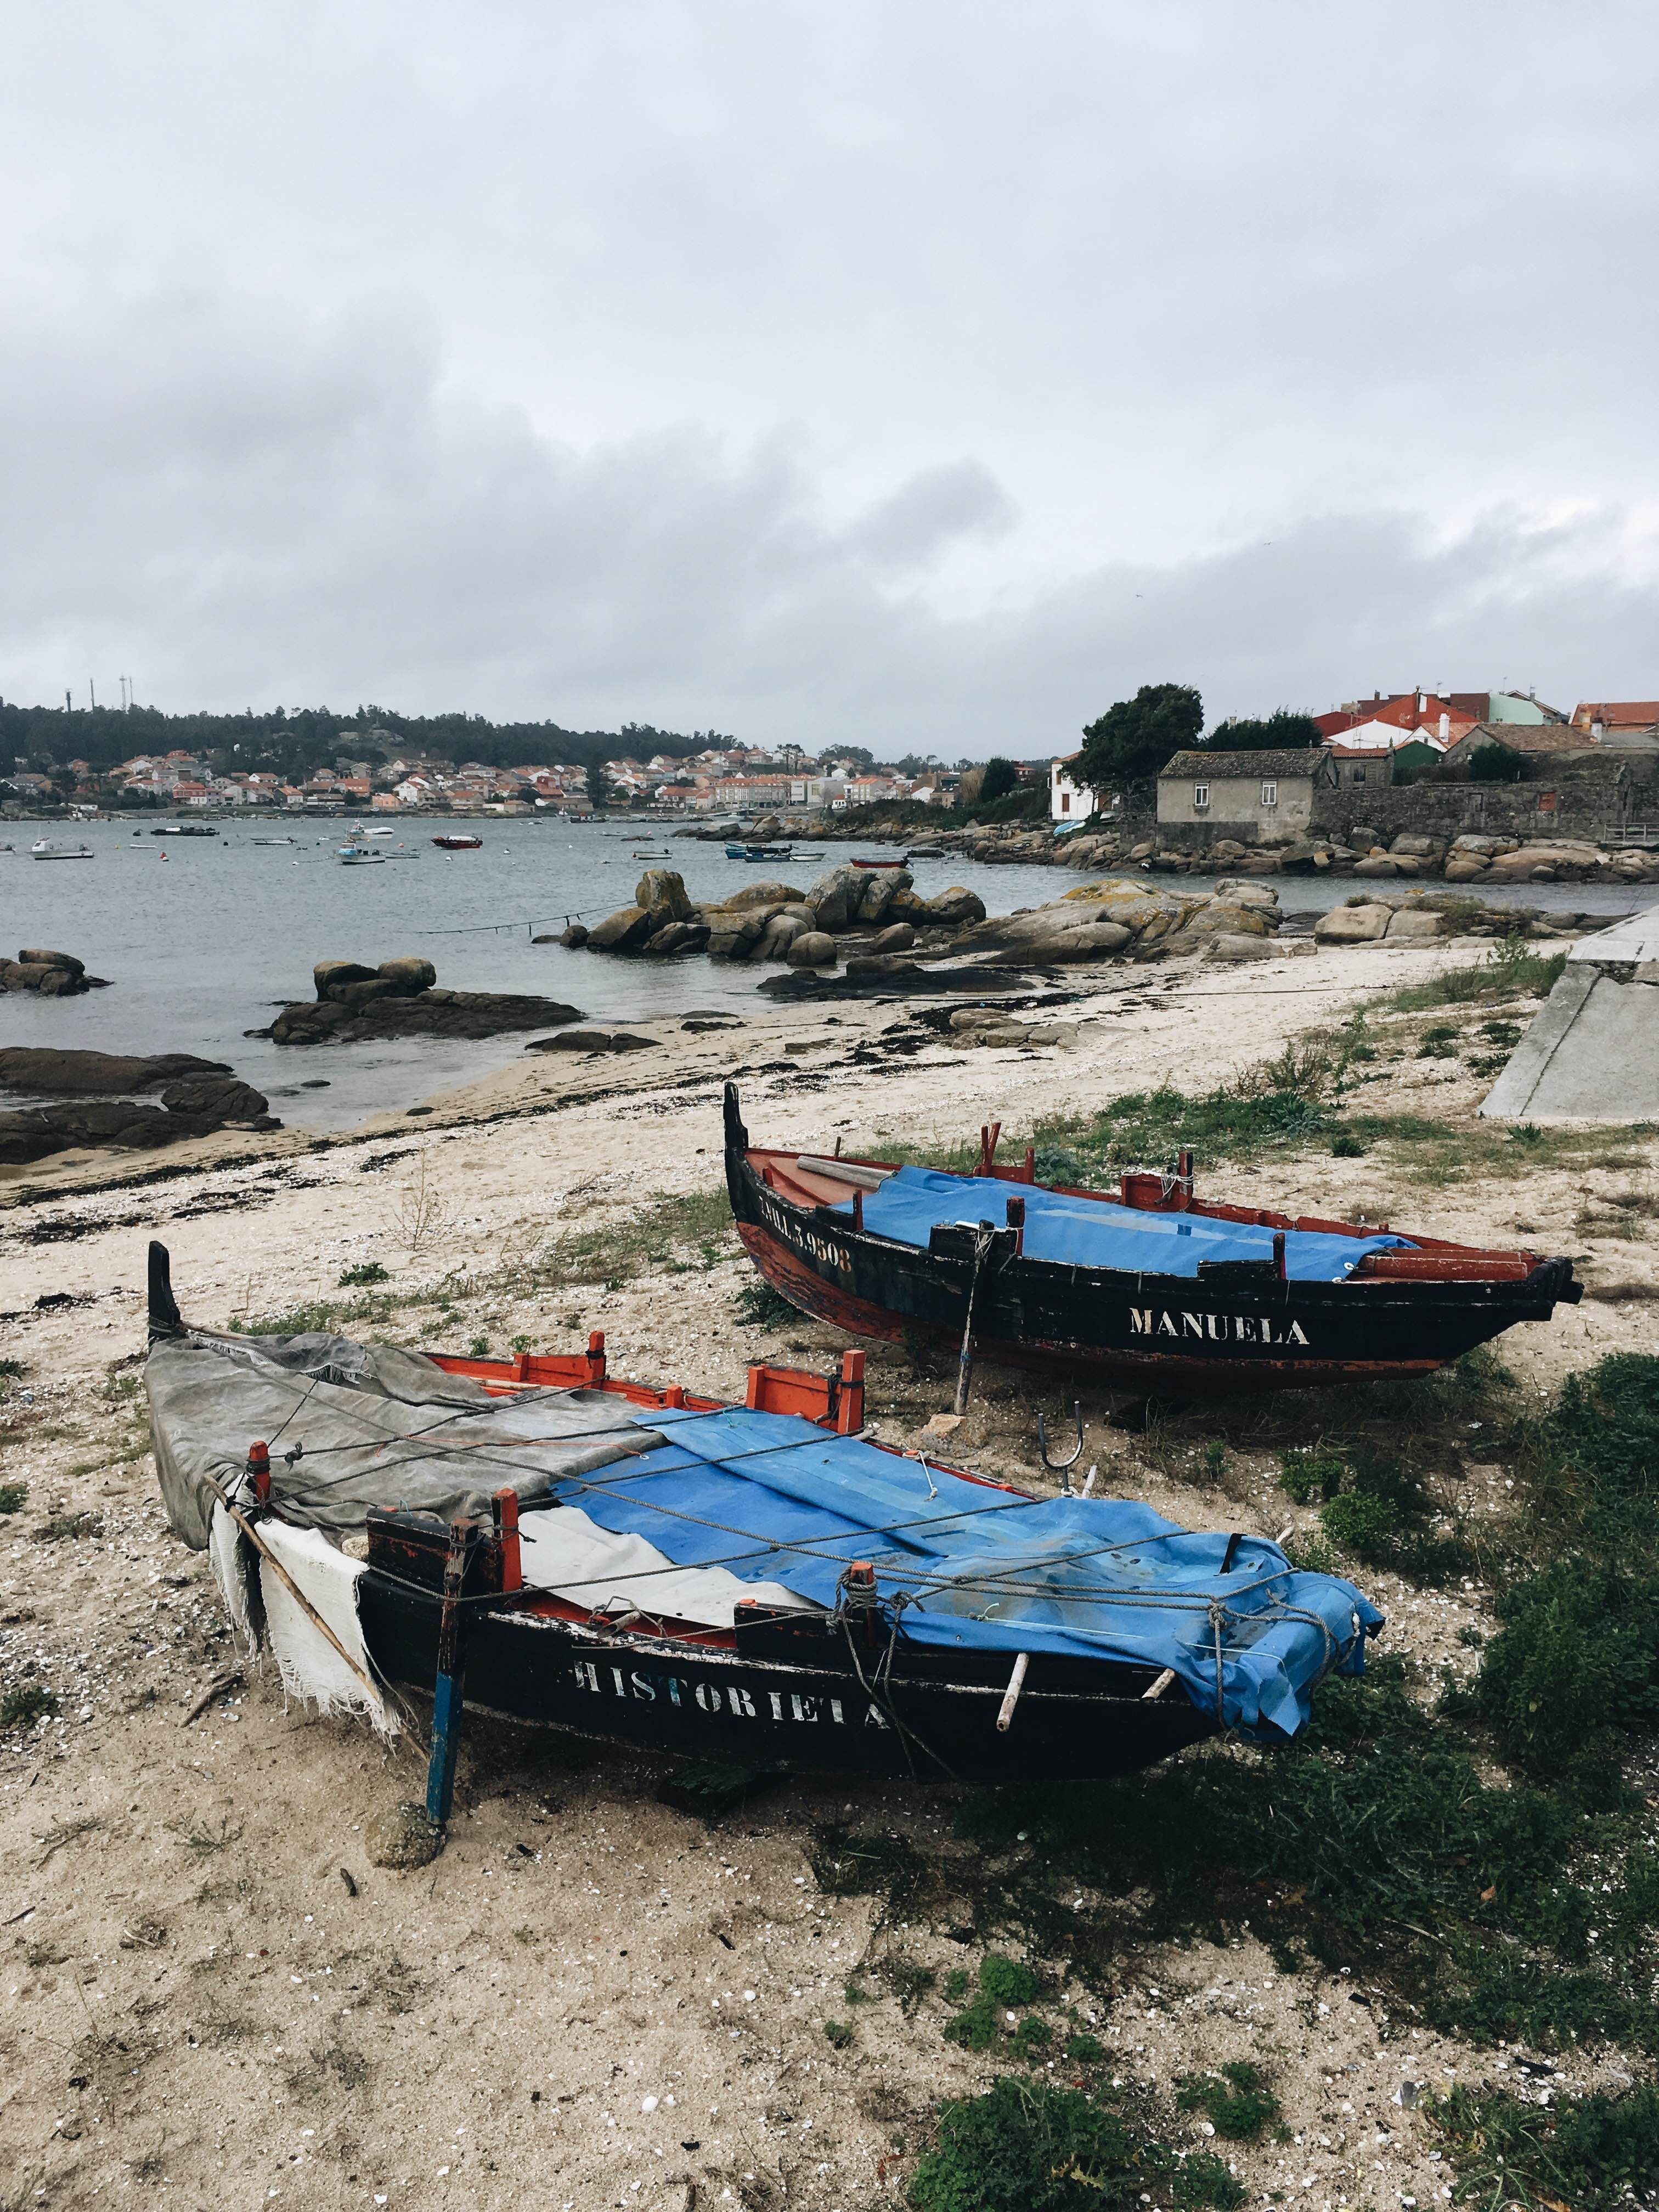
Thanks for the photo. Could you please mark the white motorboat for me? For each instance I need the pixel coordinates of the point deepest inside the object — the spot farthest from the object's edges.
(44, 848)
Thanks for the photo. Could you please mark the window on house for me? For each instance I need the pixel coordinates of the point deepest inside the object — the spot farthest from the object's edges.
(1200, 795)
(1270, 795)
(1359, 775)
(1065, 802)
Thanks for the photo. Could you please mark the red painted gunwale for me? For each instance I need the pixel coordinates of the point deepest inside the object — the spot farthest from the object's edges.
(835, 1402)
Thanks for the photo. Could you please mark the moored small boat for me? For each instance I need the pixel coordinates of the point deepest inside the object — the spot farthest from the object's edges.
(360, 856)
(458, 844)
(761, 1583)
(1149, 1285)
(46, 848)
(878, 864)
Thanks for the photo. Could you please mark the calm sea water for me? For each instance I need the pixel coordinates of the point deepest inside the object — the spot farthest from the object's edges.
(204, 938)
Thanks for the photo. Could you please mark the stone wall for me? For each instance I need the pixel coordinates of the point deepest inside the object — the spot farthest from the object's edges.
(1595, 803)
(1579, 805)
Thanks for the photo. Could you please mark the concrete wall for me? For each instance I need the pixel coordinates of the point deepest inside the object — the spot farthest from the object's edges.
(1236, 809)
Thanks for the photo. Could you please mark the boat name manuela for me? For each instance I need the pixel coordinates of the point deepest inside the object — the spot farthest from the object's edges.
(1243, 1329)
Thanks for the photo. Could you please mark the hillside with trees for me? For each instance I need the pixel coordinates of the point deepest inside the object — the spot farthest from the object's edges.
(297, 743)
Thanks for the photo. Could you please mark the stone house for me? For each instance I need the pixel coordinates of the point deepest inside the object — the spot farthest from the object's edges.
(1546, 747)
(1362, 768)
(1264, 797)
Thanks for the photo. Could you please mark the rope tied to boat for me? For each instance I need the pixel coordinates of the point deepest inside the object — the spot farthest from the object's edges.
(880, 1690)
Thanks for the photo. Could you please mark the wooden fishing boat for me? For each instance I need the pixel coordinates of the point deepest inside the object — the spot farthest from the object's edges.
(878, 864)
(763, 1583)
(1149, 1285)
(458, 844)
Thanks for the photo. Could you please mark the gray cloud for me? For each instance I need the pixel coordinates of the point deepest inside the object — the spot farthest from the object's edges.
(917, 372)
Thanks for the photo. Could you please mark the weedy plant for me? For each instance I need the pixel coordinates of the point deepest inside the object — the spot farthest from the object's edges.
(1594, 2153)
(1030, 2147)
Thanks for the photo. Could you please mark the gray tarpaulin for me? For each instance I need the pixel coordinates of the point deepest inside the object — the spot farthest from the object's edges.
(375, 1427)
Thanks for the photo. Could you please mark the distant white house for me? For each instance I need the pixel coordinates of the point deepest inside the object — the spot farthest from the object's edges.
(1069, 801)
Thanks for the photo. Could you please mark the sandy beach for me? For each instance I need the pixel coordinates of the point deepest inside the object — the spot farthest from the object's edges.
(212, 1996)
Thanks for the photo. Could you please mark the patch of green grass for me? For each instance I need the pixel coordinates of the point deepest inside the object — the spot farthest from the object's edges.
(757, 1305)
(615, 1253)
(368, 1271)
(1238, 2101)
(1571, 1682)
(23, 1707)
(1594, 2153)
(11, 1369)
(1145, 1126)
(1373, 1841)
(1028, 2147)
(1085, 2050)
(1511, 972)
(70, 1528)
(1346, 1147)
(1007, 1981)
(14, 1495)
(612, 1255)
(838, 2032)
(1441, 1153)
(1005, 1985)
(1304, 1474)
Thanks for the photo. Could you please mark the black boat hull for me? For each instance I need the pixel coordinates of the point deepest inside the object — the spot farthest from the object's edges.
(1174, 1335)
(932, 1718)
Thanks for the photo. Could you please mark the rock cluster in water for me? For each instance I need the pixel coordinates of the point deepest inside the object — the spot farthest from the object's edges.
(91, 1101)
(400, 999)
(881, 936)
(48, 974)
(780, 922)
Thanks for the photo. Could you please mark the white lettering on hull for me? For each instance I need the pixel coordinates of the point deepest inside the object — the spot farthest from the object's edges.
(1215, 1328)
(1144, 1321)
(796, 1233)
(794, 1707)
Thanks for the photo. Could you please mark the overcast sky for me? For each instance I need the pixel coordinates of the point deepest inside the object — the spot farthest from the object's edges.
(929, 373)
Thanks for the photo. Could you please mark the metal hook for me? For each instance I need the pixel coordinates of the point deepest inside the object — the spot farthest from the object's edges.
(1060, 1466)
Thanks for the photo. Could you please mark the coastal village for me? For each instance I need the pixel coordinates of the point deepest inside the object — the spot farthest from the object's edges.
(829, 1109)
(1605, 751)
(251, 1936)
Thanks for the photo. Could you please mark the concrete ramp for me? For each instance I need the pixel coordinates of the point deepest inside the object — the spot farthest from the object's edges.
(1592, 1053)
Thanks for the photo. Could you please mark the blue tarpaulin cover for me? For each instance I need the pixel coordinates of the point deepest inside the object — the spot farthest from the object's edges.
(1087, 1233)
(774, 1499)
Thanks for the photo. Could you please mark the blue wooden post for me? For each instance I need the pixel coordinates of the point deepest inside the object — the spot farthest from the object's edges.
(448, 1690)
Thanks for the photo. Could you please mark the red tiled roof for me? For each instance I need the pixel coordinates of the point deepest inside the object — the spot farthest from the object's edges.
(1617, 714)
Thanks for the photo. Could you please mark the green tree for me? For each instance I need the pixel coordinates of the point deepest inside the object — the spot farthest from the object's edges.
(599, 792)
(1000, 777)
(1136, 737)
(1283, 731)
(1496, 763)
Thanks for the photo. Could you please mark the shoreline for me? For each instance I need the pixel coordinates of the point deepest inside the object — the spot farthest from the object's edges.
(537, 1203)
